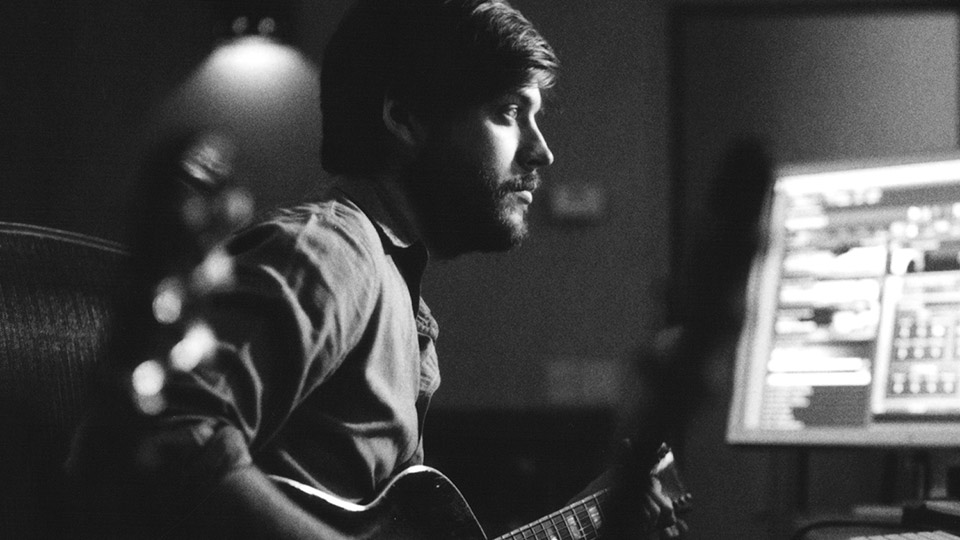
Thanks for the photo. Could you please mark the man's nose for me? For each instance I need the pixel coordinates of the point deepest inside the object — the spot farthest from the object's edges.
(538, 154)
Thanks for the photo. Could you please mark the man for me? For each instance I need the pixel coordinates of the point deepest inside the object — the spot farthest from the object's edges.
(325, 361)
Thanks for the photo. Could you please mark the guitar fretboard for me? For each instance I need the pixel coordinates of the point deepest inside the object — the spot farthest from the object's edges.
(581, 520)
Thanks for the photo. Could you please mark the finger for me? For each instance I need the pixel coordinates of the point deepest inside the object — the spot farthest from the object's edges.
(670, 532)
(656, 490)
(665, 511)
(676, 530)
(651, 512)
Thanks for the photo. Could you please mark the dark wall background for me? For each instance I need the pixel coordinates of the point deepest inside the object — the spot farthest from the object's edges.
(79, 84)
(87, 89)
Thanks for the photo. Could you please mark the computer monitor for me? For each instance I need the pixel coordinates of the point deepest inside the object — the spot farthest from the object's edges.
(852, 332)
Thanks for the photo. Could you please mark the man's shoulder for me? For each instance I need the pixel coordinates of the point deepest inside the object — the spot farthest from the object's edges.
(331, 223)
(333, 212)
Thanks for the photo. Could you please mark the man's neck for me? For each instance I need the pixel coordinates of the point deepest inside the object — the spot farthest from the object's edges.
(395, 199)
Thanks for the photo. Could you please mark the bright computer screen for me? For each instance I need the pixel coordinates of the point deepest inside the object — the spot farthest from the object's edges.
(852, 335)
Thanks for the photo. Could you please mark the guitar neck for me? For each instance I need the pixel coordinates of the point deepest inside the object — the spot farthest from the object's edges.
(579, 521)
(583, 519)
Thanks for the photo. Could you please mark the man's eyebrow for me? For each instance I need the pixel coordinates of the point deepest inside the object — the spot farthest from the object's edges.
(521, 92)
(526, 99)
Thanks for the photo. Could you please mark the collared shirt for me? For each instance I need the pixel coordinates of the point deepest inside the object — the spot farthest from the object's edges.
(326, 361)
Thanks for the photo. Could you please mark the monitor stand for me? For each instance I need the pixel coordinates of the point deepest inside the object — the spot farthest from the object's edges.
(908, 477)
(912, 475)
(928, 474)
(920, 490)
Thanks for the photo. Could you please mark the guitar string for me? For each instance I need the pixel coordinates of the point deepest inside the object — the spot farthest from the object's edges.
(552, 516)
(562, 532)
(575, 513)
(579, 511)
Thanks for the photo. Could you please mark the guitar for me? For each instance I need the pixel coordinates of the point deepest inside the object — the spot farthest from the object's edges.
(422, 503)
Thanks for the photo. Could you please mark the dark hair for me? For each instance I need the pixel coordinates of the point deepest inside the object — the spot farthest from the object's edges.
(437, 57)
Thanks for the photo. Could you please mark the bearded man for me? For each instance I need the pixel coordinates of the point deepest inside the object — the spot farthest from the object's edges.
(325, 360)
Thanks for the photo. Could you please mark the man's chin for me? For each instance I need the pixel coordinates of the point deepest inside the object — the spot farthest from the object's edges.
(460, 229)
(494, 238)
(512, 232)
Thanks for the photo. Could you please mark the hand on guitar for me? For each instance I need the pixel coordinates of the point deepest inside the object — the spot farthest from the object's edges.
(667, 525)
(653, 511)
(658, 515)
(656, 507)
(422, 503)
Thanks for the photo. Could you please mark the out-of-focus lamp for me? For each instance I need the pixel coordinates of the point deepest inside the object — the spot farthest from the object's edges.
(256, 85)
(265, 18)
(265, 27)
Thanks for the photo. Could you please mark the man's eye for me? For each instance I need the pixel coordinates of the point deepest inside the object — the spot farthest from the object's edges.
(511, 111)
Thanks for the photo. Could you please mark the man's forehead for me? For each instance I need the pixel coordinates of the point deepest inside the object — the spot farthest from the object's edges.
(529, 94)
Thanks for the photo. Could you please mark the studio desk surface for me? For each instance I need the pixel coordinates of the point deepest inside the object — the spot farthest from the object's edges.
(925, 520)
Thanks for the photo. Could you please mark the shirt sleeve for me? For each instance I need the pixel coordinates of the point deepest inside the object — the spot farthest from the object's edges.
(303, 291)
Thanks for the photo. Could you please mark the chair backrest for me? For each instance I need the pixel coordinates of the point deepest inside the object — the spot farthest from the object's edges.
(56, 295)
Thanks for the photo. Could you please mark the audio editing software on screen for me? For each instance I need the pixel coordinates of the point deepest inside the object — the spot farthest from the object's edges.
(855, 309)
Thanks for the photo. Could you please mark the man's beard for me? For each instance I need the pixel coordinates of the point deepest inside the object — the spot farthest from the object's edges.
(465, 208)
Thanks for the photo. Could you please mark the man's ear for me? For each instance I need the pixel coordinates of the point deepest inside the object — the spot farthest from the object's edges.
(408, 130)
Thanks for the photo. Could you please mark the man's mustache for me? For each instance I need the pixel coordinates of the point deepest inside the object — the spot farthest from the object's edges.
(527, 182)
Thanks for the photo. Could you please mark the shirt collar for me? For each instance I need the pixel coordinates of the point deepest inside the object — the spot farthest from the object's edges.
(389, 209)
(387, 206)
